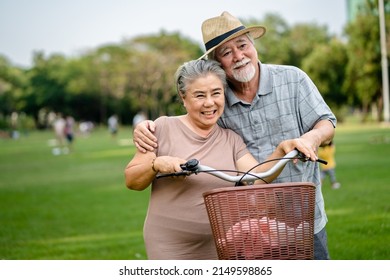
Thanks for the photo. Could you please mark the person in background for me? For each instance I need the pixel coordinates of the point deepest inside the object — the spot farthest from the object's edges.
(327, 153)
(265, 104)
(113, 125)
(59, 132)
(177, 225)
(69, 131)
(139, 117)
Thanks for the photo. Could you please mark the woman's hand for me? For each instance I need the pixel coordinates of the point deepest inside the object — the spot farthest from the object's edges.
(143, 137)
(167, 164)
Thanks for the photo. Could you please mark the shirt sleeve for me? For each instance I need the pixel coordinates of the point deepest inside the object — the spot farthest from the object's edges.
(312, 106)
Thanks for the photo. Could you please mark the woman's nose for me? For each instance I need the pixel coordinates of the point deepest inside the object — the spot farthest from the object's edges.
(209, 101)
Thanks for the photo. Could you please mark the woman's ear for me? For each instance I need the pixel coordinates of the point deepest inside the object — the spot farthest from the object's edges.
(183, 100)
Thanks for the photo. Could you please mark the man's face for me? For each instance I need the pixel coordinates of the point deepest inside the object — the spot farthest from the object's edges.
(238, 58)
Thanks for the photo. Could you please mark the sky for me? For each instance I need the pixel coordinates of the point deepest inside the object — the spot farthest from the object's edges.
(71, 27)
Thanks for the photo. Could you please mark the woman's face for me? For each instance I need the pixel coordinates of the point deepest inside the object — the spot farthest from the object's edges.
(205, 101)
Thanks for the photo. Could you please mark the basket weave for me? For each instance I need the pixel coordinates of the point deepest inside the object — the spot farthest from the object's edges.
(273, 221)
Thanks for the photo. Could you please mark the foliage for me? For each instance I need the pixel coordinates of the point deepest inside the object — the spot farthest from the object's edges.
(325, 66)
(137, 74)
(12, 84)
(364, 73)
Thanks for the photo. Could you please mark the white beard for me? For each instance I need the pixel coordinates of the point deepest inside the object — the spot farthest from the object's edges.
(246, 74)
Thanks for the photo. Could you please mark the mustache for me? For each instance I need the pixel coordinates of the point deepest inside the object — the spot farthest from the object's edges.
(241, 63)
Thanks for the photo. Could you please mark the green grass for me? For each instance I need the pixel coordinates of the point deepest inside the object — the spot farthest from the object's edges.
(359, 212)
(73, 206)
(76, 206)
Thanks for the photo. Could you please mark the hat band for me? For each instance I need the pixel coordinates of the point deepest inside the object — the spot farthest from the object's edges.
(214, 42)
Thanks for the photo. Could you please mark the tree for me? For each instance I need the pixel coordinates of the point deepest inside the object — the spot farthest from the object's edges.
(305, 38)
(363, 82)
(12, 83)
(153, 66)
(326, 67)
(274, 46)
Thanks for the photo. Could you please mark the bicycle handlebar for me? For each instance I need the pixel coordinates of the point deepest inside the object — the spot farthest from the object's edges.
(194, 167)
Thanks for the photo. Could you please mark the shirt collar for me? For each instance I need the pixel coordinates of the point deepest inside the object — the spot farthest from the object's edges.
(265, 86)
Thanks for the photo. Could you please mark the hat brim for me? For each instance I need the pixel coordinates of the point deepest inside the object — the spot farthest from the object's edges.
(255, 31)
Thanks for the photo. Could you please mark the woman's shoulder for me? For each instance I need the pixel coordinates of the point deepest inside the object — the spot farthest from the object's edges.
(166, 119)
(230, 133)
(164, 124)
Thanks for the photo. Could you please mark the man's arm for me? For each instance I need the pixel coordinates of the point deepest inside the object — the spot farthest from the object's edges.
(321, 134)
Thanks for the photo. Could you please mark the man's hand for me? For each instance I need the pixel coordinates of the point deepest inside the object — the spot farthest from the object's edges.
(143, 136)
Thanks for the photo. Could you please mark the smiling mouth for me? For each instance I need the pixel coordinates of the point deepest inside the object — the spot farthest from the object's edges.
(209, 113)
(240, 66)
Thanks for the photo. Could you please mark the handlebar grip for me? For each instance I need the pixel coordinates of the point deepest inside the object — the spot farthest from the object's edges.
(322, 161)
(190, 165)
(175, 174)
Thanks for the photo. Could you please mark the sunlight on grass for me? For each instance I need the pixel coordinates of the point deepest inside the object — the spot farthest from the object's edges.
(89, 238)
(339, 212)
(125, 142)
(107, 153)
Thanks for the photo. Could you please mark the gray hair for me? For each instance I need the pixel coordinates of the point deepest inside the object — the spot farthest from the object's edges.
(194, 69)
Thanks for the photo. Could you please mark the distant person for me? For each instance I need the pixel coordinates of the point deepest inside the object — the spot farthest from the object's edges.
(69, 131)
(113, 125)
(59, 131)
(15, 125)
(327, 153)
(139, 117)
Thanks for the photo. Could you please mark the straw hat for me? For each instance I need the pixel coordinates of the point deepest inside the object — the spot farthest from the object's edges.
(218, 30)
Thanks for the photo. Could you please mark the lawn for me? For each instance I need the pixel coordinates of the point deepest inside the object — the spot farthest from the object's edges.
(73, 206)
(76, 206)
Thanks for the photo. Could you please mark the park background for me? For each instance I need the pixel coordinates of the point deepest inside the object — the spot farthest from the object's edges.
(75, 205)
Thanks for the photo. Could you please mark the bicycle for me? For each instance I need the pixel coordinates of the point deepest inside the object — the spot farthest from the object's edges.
(268, 221)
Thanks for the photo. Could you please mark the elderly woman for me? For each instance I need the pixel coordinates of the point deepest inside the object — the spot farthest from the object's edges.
(177, 225)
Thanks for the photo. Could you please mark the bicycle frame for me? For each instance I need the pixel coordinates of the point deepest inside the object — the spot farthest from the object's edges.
(193, 167)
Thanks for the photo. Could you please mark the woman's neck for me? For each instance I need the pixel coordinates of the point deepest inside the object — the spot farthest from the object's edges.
(201, 131)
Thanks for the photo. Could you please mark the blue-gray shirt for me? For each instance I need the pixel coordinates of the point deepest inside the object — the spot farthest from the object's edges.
(287, 105)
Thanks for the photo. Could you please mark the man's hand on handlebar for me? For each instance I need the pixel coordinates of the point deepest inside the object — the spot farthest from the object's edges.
(143, 136)
(301, 145)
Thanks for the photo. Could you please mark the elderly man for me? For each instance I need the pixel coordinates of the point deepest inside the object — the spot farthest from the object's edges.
(265, 104)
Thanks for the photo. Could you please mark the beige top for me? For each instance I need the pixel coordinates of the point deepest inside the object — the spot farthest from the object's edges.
(177, 225)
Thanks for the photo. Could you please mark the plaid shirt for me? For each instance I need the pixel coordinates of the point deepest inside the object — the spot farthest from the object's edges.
(287, 105)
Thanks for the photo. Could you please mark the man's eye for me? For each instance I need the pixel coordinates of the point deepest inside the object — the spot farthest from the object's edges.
(226, 54)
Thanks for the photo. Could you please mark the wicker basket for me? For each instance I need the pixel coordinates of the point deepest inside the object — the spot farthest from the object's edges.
(274, 221)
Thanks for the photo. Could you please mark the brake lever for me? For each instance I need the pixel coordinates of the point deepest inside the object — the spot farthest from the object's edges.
(188, 168)
(190, 165)
(304, 158)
